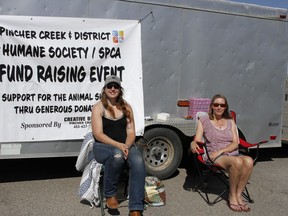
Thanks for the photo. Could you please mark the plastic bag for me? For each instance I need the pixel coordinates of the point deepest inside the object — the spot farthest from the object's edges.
(155, 194)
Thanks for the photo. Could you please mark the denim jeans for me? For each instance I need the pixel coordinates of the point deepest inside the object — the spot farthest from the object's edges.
(113, 160)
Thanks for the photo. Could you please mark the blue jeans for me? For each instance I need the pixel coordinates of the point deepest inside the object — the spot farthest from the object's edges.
(113, 160)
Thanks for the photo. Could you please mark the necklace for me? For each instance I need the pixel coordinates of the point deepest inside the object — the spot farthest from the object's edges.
(219, 124)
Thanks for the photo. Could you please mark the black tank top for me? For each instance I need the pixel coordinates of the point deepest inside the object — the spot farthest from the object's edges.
(115, 128)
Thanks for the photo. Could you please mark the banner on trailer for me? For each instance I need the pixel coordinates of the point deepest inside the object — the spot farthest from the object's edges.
(52, 71)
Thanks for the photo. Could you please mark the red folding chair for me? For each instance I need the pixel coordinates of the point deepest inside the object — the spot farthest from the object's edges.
(206, 172)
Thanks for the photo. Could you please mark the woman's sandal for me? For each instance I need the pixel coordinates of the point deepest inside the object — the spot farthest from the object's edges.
(244, 207)
(234, 207)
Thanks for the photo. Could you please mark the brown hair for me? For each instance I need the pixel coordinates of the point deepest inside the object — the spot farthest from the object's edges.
(226, 113)
(121, 104)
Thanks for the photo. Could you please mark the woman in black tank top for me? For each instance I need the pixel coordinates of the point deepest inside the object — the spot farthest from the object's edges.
(113, 127)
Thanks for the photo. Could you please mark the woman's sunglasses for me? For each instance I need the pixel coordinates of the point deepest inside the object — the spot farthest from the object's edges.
(221, 105)
(113, 84)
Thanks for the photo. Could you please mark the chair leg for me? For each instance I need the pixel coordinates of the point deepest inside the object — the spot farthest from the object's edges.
(220, 196)
(126, 186)
(100, 191)
(197, 167)
(101, 198)
(246, 195)
(201, 187)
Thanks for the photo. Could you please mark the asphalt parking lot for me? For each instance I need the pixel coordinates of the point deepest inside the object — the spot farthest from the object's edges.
(46, 187)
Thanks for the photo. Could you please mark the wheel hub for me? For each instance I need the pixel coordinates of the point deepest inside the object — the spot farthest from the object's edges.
(156, 152)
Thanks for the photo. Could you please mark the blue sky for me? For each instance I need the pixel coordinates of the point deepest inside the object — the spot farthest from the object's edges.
(270, 3)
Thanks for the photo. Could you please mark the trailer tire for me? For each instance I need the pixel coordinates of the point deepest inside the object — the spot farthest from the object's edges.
(162, 152)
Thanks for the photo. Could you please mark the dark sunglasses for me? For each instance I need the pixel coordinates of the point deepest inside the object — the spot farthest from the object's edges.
(221, 105)
(115, 85)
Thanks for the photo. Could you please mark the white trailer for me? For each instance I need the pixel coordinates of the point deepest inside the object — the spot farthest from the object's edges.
(190, 49)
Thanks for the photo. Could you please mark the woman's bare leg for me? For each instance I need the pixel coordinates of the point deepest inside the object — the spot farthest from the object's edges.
(234, 166)
(246, 173)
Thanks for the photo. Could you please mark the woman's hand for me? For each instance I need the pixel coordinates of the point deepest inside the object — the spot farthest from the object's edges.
(194, 147)
(125, 149)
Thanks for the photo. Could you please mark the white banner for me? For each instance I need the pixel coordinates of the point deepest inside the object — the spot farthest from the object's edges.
(52, 71)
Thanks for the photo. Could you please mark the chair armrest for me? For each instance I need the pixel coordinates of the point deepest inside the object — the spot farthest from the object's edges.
(245, 144)
(203, 151)
(200, 143)
(202, 147)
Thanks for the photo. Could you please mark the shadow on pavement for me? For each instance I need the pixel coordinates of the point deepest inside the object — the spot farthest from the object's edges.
(37, 168)
(50, 168)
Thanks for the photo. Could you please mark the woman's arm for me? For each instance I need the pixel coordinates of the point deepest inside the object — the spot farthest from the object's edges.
(130, 129)
(198, 138)
(97, 127)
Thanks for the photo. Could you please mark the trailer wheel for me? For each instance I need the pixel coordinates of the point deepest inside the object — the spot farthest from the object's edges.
(162, 152)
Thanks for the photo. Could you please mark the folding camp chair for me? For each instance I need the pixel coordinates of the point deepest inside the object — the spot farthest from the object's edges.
(208, 170)
(125, 174)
